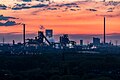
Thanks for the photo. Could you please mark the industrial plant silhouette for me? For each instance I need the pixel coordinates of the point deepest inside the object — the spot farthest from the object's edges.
(44, 43)
(42, 58)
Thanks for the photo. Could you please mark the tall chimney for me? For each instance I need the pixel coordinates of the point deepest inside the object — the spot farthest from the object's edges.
(24, 34)
(13, 42)
(104, 30)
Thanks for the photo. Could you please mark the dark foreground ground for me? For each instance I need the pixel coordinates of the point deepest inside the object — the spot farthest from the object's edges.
(60, 67)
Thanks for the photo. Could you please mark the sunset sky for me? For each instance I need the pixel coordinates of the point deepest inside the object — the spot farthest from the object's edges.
(81, 18)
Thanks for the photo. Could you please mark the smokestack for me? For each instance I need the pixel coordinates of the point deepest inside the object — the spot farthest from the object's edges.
(13, 42)
(104, 30)
(24, 34)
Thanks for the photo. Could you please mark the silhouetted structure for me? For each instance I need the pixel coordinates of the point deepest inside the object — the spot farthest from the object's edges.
(24, 34)
(49, 33)
(104, 30)
(40, 37)
(81, 42)
(64, 40)
(43, 44)
(13, 42)
(96, 41)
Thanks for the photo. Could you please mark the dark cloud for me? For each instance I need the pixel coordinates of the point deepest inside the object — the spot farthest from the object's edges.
(112, 3)
(39, 5)
(8, 23)
(21, 6)
(6, 17)
(67, 4)
(51, 8)
(3, 7)
(91, 10)
(27, 6)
